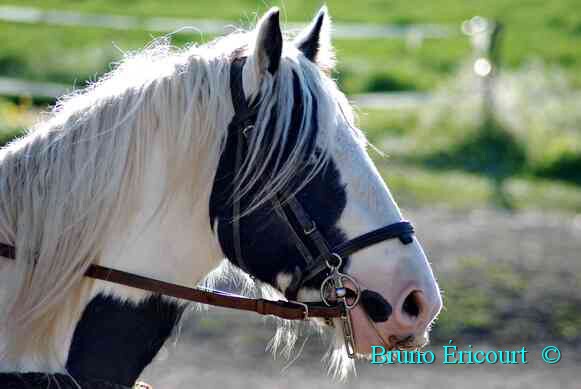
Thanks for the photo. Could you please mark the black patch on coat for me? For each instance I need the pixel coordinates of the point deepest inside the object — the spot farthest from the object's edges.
(268, 247)
(115, 340)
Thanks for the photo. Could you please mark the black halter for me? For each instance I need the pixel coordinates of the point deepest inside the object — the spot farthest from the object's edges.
(327, 260)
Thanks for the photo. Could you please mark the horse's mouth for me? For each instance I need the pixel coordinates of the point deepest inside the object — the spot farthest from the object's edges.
(408, 343)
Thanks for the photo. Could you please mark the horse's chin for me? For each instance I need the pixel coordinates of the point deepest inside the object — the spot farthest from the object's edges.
(368, 334)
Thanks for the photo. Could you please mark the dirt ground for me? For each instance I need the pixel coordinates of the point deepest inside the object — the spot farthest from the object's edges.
(236, 358)
(223, 349)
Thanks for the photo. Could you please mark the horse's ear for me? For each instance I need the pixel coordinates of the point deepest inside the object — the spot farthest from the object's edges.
(315, 40)
(268, 45)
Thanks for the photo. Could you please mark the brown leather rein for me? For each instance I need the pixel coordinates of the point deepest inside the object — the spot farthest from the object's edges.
(284, 309)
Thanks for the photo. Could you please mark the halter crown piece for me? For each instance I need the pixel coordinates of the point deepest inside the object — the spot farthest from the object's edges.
(327, 261)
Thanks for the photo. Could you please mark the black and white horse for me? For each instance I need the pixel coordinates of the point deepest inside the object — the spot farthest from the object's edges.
(139, 172)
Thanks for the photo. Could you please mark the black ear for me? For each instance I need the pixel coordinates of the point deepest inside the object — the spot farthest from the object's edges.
(268, 46)
(310, 43)
(315, 41)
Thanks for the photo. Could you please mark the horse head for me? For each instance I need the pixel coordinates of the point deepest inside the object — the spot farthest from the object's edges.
(293, 137)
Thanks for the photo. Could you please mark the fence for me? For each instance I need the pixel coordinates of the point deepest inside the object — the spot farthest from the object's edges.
(478, 29)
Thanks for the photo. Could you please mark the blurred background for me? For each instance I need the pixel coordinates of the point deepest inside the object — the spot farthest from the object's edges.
(477, 108)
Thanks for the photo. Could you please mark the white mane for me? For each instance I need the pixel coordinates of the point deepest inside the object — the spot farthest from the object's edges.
(78, 175)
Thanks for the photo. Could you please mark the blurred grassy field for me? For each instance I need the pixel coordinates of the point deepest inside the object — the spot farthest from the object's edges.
(537, 152)
(550, 31)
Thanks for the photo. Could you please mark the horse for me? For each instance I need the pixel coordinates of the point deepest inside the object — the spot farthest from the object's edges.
(177, 159)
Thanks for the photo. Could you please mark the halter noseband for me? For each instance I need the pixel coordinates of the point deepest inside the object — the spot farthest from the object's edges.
(328, 260)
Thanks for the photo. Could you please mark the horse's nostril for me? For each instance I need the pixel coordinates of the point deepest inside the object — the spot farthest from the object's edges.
(411, 305)
(376, 306)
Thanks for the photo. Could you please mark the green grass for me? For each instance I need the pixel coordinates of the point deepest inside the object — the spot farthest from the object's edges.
(451, 162)
(550, 31)
(13, 119)
(536, 133)
(416, 186)
(67, 55)
(73, 55)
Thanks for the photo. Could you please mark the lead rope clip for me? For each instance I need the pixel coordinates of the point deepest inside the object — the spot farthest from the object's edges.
(335, 279)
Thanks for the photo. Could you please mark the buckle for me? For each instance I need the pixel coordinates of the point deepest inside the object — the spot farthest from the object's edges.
(309, 231)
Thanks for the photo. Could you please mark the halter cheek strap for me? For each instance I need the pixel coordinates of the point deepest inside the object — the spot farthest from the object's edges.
(243, 120)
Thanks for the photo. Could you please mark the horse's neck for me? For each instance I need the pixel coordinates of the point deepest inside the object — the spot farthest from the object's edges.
(174, 243)
(121, 328)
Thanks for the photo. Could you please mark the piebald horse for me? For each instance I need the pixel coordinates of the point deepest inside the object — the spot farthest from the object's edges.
(144, 171)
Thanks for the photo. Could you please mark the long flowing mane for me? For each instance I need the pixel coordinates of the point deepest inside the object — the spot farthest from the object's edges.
(75, 180)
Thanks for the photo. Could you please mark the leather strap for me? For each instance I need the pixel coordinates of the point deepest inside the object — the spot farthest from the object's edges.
(242, 120)
(299, 244)
(284, 309)
(401, 230)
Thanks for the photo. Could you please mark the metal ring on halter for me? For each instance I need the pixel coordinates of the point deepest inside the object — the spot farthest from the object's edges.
(309, 231)
(342, 276)
(339, 263)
